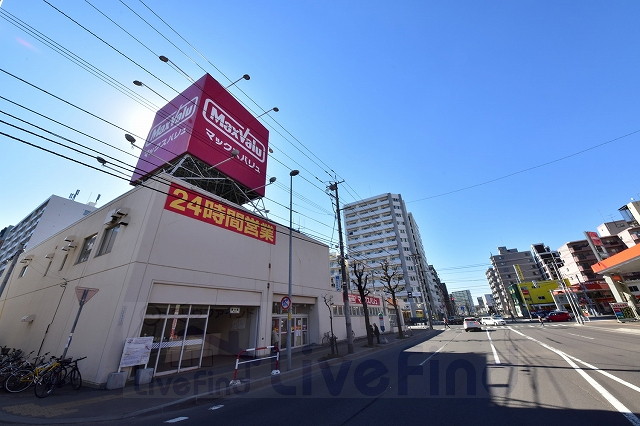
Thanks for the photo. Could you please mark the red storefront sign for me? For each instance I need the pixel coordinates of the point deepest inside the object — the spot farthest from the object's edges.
(206, 121)
(194, 205)
(371, 301)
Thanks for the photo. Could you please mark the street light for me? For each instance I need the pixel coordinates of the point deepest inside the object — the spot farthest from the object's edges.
(274, 109)
(292, 173)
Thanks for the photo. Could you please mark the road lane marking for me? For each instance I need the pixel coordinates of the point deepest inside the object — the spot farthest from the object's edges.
(583, 337)
(628, 414)
(216, 407)
(606, 373)
(176, 420)
(434, 354)
(597, 386)
(493, 348)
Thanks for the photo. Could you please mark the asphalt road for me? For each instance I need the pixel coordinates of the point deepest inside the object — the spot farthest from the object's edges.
(521, 374)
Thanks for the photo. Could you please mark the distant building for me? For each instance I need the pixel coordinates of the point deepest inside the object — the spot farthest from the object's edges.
(631, 213)
(547, 261)
(53, 215)
(628, 233)
(464, 302)
(509, 267)
(380, 229)
(488, 301)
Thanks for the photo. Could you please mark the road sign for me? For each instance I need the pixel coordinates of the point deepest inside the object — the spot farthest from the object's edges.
(285, 303)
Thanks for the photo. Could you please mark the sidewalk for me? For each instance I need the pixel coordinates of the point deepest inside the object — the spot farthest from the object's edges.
(165, 393)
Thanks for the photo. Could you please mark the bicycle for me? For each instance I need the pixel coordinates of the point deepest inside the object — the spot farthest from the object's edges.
(64, 371)
(23, 378)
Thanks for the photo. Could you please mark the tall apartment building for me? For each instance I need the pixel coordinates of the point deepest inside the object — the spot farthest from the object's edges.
(629, 234)
(53, 215)
(464, 302)
(509, 267)
(380, 229)
(547, 260)
(631, 213)
(578, 256)
(439, 294)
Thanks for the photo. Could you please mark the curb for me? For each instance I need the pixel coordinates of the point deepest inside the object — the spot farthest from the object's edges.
(209, 395)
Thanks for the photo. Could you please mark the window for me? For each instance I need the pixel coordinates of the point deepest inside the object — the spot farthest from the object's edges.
(633, 288)
(86, 248)
(64, 260)
(23, 271)
(107, 240)
(48, 266)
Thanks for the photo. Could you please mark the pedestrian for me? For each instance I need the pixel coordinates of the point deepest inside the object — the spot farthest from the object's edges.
(376, 331)
(446, 322)
(541, 320)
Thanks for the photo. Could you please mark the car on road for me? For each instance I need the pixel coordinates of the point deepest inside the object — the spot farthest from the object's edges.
(493, 320)
(471, 324)
(558, 316)
(455, 321)
(539, 314)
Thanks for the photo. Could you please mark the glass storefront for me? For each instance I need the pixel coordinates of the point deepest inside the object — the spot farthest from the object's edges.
(299, 325)
(189, 336)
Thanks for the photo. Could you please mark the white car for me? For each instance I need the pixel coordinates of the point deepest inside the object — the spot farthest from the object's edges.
(472, 324)
(494, 320)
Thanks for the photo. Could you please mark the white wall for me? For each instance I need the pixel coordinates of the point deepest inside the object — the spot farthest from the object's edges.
(160, 254)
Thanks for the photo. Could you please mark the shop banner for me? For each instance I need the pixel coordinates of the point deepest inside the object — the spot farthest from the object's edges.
(623, 312)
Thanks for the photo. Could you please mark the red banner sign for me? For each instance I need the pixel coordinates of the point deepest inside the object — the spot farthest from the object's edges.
(194, 205)
(208, 122)
(371, 301)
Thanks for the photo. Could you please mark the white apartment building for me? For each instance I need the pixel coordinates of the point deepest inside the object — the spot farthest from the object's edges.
(380, 229)
(54, 214)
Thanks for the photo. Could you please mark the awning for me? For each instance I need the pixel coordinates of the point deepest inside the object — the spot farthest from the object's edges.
(625, 262)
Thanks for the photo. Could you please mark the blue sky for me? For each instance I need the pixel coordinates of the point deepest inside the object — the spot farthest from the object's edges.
(501, 123)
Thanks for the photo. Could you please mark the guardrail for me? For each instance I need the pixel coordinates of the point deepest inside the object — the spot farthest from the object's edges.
(276, 371)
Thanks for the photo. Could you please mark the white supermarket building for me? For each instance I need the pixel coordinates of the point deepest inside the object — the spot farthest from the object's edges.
(203, 279)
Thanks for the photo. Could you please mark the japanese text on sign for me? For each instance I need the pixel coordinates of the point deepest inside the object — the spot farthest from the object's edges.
(194, 205)
(371, 301)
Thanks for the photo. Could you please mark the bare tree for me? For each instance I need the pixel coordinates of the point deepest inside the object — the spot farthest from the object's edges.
(391, 277)
(361, 280)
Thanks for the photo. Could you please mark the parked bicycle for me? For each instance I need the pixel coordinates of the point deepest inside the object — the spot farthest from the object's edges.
(66, 371)
(24, 378)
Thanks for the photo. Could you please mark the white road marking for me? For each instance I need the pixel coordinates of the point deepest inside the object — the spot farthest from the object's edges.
(633, 419)
(597, 386)
(216, 407)
(434, 354)
(493, 348)
(177, 419)
(582, 337)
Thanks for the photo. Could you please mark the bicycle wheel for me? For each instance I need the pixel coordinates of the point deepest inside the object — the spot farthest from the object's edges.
(75, 378)
(61, 376)
(46, 384)
(19, 381)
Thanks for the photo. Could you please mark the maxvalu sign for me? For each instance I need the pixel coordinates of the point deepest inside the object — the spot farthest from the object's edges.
(207, 122)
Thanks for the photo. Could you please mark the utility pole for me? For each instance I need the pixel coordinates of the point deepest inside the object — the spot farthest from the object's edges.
(575, 306)
(343, 269)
